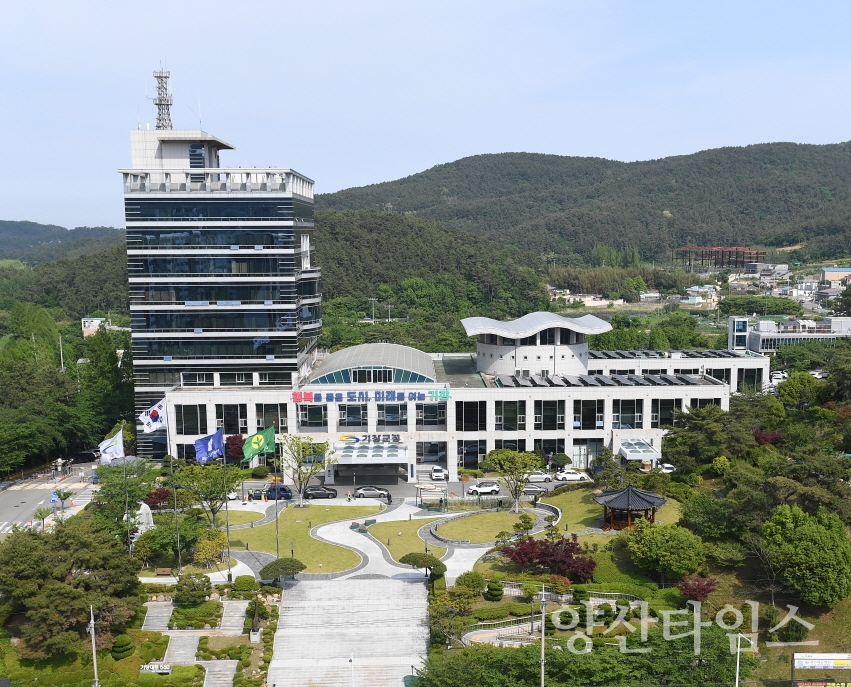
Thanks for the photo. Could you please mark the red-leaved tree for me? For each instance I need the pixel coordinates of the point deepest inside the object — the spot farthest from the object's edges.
(233, 446)
(158, 498)
(696, 588)
(563, 557)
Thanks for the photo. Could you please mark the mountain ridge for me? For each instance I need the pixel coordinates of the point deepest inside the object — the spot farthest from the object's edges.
(768, 193)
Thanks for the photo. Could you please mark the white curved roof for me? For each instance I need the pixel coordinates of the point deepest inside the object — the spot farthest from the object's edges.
(533, 323)
(378, 355)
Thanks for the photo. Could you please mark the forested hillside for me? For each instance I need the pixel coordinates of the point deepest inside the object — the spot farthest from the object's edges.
(776, 194)
(34, 243)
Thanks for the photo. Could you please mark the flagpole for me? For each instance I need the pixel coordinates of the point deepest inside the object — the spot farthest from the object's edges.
(227, 511)
(126, 502)
(174, 491)
(277, 493)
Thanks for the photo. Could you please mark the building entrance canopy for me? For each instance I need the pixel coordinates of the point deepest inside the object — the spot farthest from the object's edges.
(639, 449)
(371, 454)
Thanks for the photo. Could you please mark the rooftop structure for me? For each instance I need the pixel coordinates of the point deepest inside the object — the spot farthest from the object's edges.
(699, 258)
(766, 336)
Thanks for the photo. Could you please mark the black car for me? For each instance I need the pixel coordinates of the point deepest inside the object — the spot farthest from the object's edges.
(319, 492)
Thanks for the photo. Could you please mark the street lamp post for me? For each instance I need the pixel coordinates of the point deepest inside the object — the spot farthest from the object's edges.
(292, 549)
(373, 308)
(739, 638)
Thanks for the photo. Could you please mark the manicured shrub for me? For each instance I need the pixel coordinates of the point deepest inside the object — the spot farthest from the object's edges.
(244, 583)
(494, 591)
(122, 647)
(260, 472)
(471, 580)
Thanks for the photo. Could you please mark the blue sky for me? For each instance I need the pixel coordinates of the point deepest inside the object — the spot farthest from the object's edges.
(353, 93)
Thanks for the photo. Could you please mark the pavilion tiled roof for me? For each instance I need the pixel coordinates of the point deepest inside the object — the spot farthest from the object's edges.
(630, 498)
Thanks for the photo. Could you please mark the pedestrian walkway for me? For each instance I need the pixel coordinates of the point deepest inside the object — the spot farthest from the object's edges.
(371, 632)
(218, 577)
(219, 673)
(159, 613)
(233, 615)
(182, 647)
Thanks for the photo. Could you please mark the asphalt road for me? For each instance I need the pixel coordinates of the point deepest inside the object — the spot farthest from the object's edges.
(19, 501)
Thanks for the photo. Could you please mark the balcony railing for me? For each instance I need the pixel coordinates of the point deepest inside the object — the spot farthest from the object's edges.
(216, 180)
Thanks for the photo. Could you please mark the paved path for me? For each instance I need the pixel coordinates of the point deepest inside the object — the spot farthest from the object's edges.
(159, 613)
(375, 559)
(233, 615)
(380, 623)
(182, 646)
(219, 673)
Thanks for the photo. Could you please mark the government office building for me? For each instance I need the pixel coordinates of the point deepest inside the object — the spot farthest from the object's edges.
(390, 405)
(225, 309)
(223, 287)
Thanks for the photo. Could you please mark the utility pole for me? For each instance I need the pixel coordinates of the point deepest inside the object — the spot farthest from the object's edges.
(373, 308)
(94, 649)
(388, 312)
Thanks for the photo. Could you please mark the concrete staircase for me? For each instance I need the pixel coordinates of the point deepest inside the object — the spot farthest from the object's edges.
(233, 615)
(219, 673)
(182, 646)
(159, 613)
(379, 623)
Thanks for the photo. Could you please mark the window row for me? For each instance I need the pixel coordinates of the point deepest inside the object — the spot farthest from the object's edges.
(254, 347)
(548, 415)
(191, 209)
(279, 292)
(204, 265)
(232, 418)
(201, 236)
(555, 336)
(213, 320)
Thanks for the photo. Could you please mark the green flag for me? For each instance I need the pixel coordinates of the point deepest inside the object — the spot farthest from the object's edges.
(262, 442)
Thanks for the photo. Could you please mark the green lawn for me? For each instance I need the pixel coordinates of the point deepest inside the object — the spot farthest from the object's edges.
(578, 508)
(407, 541)
(294, 528)
(239, 517)
(480, 528)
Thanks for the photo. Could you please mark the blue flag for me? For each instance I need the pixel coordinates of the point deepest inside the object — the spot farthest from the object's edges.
(209, 447)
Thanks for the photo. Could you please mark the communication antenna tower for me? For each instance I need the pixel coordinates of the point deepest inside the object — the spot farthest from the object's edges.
(163, 100)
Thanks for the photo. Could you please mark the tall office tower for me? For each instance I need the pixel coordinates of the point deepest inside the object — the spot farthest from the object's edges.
(224, 291)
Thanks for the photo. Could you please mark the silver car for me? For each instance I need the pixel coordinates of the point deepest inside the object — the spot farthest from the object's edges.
(371, 492)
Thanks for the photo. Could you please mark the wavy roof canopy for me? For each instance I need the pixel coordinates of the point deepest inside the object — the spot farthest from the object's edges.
(534, 323)
(379, 355)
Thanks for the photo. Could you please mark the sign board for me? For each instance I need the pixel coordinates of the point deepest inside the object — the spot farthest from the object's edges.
(433, 395)
(158, 668)
(353, 439)
(822, 661)
(54, 498)
(821, 683)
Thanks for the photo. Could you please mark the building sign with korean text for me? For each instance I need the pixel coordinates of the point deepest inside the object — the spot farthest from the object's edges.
(432, 395)
(159, 668)
(822, 661)
(357, 439)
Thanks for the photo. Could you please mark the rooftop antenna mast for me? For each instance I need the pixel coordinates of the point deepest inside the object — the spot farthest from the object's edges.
(163, 100)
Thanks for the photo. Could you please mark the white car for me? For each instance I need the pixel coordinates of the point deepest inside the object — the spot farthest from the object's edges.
(487, 487)
(438, 473)
(667, 468)
(539, 476)
(573, 476)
